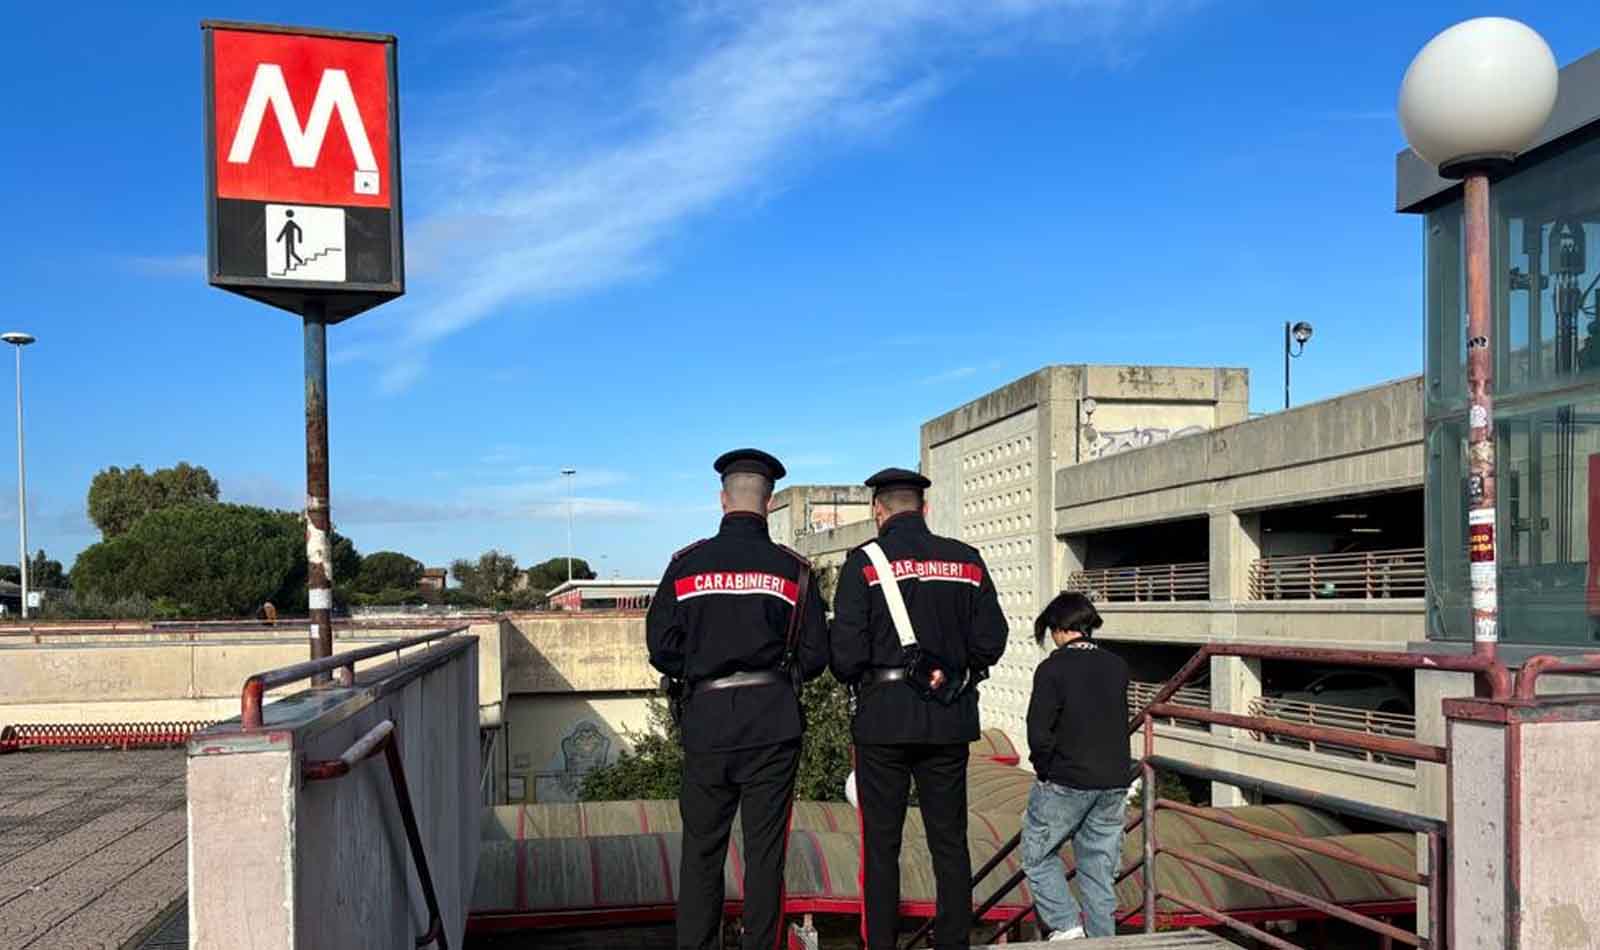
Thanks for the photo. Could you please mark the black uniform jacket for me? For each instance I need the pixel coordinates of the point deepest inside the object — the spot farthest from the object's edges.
(1078, 718)
(957, 618)
(723, 607)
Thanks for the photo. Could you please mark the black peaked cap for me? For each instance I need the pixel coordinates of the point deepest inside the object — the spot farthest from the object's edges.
(891, 479)
(751, 461)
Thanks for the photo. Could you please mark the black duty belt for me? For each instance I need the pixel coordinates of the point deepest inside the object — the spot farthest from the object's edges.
(883, 674)
(737, 680)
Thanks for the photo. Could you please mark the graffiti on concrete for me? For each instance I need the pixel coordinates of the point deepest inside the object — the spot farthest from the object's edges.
(1109, 442)
(583, 750)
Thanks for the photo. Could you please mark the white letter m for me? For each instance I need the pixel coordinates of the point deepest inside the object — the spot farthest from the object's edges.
(305, 145)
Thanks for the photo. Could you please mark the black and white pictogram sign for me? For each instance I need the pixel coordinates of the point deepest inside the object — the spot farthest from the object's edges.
(305, 242)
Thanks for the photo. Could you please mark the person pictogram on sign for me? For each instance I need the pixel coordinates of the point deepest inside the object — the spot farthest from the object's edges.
(290, 234)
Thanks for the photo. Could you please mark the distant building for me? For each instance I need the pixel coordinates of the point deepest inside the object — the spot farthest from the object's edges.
(432, 583)
(800, 510)
(10, 598)
(613, 594)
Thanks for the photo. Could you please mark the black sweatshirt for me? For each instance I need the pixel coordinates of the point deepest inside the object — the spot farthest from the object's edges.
(1078, 718)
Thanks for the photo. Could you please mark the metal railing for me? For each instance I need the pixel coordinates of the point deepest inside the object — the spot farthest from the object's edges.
(1372, 722)
(101, 735)
(381, 739)
(1147, 583)
(1372, 575)
(1494, 680)
(341, 665)
(1141, 694)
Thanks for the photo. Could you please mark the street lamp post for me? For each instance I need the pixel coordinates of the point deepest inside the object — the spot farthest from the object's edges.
(1475, 96)
(20, 340)
(568, 473)
(1300, 335)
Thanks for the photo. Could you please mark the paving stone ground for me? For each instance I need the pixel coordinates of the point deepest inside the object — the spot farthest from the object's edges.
(91, 848)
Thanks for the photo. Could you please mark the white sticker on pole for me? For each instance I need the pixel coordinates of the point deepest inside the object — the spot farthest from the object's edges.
(315, 630)
(1483, 581)
(1478, 417)
(321, 598)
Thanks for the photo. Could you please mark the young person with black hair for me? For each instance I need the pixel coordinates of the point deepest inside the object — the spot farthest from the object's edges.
(1078, 744)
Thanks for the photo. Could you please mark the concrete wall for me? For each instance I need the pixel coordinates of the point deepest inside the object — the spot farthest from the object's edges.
(801, 510)
(828, 549)
(576, 653)
(555, 740)
(276, 861)
(168, 677)
(993, 463)
(1358, 624)
(1360, 443)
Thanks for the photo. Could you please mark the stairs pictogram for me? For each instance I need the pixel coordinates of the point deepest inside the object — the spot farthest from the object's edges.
(296, 265)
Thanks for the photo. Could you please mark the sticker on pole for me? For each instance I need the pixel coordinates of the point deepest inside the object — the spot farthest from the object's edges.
(303, 167)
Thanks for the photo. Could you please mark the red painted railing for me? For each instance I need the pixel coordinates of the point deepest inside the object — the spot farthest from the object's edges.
(113, 735)
(381, 739)
(342, 665)
(1495, 681)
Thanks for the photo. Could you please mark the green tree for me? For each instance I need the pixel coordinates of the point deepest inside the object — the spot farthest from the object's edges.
(119, 497)
(208, 559)
(45, 574)
(548, 575)
(1169, 786)
(489, 581)
(199, 560)
(10, 574)
(653, 767)
(388, 571)
(825, 749)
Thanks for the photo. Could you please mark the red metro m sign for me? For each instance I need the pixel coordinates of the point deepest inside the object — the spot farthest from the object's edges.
(303, 168)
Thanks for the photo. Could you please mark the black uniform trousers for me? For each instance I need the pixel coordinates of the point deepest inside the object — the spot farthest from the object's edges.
(758, 783)
(883, 782)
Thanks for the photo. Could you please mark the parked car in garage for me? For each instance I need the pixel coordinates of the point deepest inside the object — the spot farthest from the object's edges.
(1357, 689)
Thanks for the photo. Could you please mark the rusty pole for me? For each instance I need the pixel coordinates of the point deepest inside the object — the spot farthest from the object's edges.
(319, 520)
(1148, 800)
(1480, 409)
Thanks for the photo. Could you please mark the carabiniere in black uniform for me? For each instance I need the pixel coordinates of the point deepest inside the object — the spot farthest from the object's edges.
(724, 631)
(904, 727)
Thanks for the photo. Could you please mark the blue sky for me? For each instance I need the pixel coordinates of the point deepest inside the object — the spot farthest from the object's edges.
(640, 233)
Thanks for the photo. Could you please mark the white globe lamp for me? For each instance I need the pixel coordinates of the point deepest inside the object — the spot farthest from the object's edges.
(1477, 94)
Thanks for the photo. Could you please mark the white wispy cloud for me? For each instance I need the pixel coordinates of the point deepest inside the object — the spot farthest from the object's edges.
(537, 500)
(961, 372)
(950, 375)
(170, 265)
(743, 94)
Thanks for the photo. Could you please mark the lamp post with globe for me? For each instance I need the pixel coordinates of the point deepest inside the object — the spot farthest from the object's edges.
(1472, 99)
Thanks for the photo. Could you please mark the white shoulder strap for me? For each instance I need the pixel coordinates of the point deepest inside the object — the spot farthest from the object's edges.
(891, 594)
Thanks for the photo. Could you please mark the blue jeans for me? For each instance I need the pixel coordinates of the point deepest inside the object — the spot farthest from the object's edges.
(1092, 820)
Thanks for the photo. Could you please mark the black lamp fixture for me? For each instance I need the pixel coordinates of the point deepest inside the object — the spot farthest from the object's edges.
(1295, 338)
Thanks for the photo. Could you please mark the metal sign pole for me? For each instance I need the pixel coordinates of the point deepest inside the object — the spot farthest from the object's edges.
(22, 494)
(319, 520)
(309, 229)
